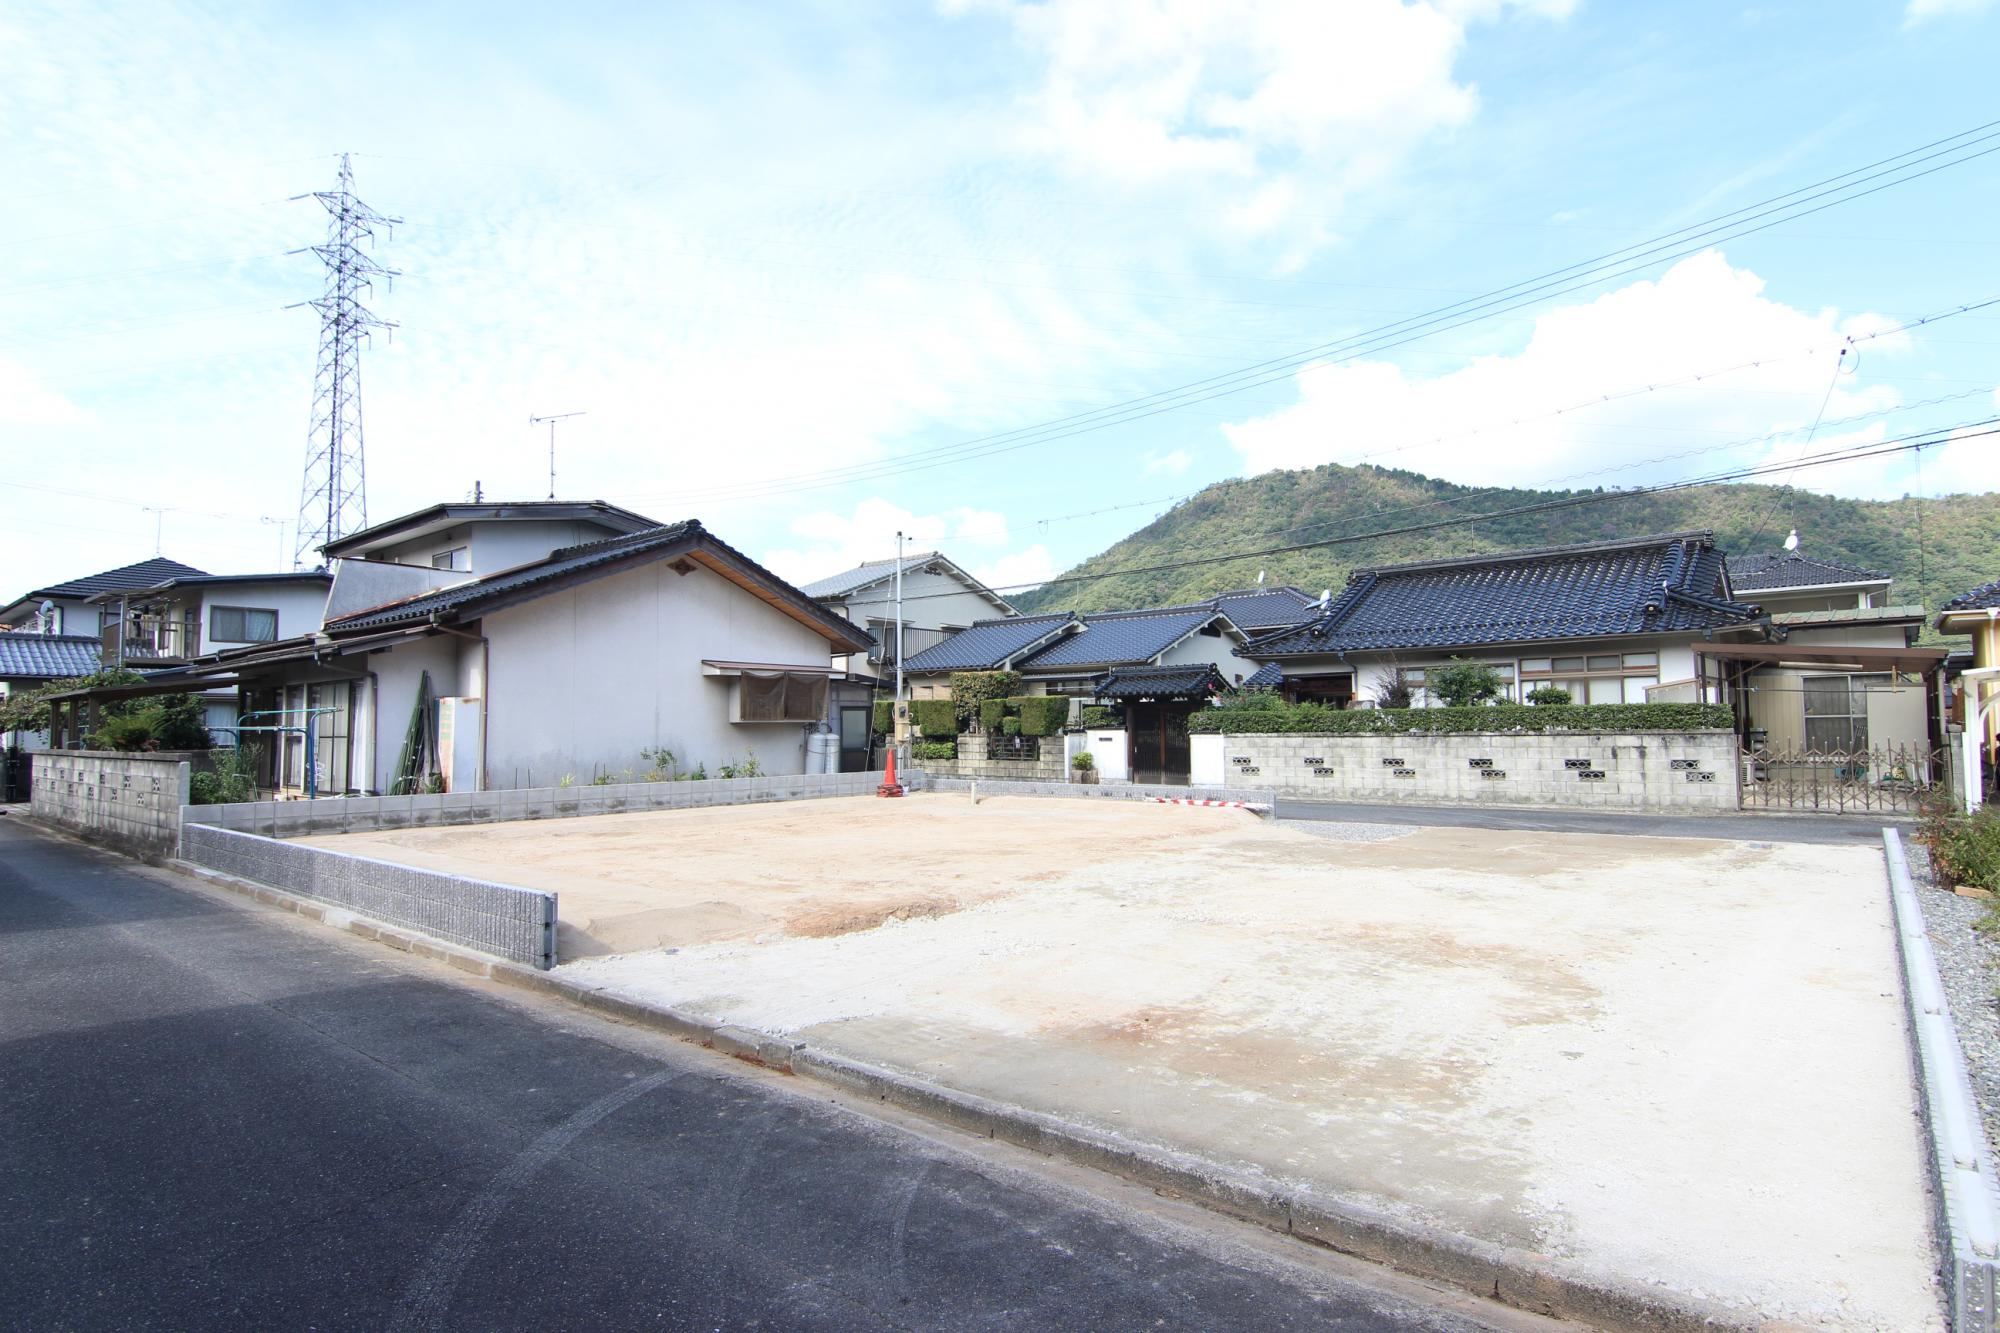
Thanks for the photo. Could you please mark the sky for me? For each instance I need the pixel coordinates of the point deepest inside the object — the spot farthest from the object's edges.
(817, 272)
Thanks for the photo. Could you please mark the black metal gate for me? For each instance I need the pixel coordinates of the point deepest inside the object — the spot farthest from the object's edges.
(1157, 748)
(1896, 779)
(17, 773)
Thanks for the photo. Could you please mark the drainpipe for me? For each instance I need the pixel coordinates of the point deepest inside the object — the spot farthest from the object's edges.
(485, 686)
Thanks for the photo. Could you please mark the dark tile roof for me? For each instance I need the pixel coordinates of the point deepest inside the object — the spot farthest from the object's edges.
(319, 576)
(142, 575)
(572, 564)
(1121, 638)
(1162, 682)
(1648, 585)
(1979, 599)
(987, 644)
(1789, 569)
(1267, 677)
(1261, 608)
(872, 571)
(47, 656)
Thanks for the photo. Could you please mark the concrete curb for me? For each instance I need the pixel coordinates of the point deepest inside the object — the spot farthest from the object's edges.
(1961, 1165)
(1515, 1277)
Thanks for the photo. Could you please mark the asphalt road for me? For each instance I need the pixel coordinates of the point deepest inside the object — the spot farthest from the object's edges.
(1749, 827)
(213, 1114)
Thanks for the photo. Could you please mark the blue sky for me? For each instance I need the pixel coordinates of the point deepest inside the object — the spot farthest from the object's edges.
(755, 243)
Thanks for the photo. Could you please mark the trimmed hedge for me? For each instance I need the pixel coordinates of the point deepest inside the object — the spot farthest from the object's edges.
(1042, 714)
(885, 716)
(934, 749)
(990, 713)
(1102, 717)
(936, 718)
(972, 690)
(1317, 719)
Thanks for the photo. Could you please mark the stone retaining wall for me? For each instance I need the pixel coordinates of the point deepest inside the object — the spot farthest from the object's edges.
(364, 814)
(500, 919)
(1696, 772)
(129, 801)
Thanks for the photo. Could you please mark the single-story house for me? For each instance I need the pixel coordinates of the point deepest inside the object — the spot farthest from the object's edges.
(939, 598)
(567, 666)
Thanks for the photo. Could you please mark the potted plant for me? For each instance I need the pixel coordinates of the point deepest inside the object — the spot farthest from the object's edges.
(1083, 765)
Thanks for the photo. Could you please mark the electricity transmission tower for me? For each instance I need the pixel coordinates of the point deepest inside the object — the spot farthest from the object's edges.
(333, 498)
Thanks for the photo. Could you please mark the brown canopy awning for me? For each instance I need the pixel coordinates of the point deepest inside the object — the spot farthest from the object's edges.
(1920, 661)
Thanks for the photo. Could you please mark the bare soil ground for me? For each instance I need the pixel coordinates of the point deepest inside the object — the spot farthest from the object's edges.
(1673, 1061)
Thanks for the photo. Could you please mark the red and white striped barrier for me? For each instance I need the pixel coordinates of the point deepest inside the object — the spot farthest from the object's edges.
(1198, 800)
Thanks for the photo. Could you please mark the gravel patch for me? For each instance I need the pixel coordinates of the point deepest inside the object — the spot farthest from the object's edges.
(1340, 831)
(1969, 963)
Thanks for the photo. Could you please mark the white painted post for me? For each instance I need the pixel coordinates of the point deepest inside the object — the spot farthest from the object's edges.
(1974, 740)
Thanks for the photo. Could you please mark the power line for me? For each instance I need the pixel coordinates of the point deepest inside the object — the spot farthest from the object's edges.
(1885, 173)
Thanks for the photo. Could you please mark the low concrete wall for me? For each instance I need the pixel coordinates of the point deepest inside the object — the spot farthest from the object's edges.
(508, 922)
(1672, 771)
(1115, 791)
(128, 801)
(365, 814)
(1052, 766)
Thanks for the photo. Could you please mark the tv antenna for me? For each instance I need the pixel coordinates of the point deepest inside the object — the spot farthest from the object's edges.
(552, 420)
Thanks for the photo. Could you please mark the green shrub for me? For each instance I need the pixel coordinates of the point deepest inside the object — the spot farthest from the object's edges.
(1250, 701)
(1099, 717)
(936, 718)
(1549, 696)
(234, 778)
(1010, 726)
(1461, 684)
(884, 716)
(1965, 851)
(971, 689)
(934, 750)
(1041, 714)
(131, 732)
(1501, 718)
(991, 712)
(1083, 759)
(1392, 688)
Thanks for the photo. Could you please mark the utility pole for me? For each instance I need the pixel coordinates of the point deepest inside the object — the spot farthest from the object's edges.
(333, 497)
(552, 420)
(899, 642)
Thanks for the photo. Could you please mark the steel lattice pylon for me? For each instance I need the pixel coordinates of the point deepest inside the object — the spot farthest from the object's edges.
(333, 498)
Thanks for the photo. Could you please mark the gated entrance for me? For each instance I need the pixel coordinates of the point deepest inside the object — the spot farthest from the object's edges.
(1891, 779)
(1158, 747)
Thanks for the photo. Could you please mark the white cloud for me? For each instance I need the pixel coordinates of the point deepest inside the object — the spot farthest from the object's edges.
(24, 401)
(1171, 464)
(1016, 572)
(1919, 10)
(1508, 419)
(1293, 100)
(834, 542)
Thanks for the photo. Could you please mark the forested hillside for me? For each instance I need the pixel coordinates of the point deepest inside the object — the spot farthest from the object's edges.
(1935, 548)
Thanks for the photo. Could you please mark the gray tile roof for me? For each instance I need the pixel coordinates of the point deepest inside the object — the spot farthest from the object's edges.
(561, 567)
(1979, 599)
(1267, 677)
(1789, 569)
(1262, 608)
(145, 574)
(987, 644)
(1648, 585)
(1162, 682)
(836, 585)
(1120, 638)
(47, 656)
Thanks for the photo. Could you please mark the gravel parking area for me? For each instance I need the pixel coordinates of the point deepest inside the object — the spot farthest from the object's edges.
(1970, 965)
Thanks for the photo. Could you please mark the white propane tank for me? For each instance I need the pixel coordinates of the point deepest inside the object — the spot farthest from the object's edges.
(822, 753)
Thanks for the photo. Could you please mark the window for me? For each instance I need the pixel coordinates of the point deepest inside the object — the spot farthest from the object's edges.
(1595, 678)
(783, 697)
(1837, 712)
(242, 624)
(458, 557)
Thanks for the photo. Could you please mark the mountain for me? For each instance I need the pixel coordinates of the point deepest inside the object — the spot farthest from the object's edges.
(1935, 548)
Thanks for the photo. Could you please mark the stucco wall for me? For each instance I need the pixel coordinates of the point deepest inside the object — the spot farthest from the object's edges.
(1678, 771)
(583, 679)
(131, 801)
(378, 740)
(300, 608)
(495, 545)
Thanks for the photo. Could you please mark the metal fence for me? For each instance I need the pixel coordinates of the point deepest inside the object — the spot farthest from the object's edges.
(1885, 779)
(1000, 746)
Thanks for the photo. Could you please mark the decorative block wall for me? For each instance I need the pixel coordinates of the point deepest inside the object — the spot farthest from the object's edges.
(129, 801)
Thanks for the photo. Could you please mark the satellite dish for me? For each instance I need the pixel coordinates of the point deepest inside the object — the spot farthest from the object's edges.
(1325, 597)
(1260, 578)
(1792, 542)
(47, 616)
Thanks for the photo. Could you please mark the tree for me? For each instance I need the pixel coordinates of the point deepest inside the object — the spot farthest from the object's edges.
(1392, 689)
(29, 711)
(1463, 684)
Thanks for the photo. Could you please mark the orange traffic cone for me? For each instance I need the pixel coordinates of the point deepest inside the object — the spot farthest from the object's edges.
(890, 787)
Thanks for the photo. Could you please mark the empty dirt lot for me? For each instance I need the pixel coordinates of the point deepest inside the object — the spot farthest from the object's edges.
(1673, 1062)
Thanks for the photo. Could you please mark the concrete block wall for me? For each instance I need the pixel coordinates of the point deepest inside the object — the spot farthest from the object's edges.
(129, 801)
(1117, 791)
(501, 919)
(363, 814)
(973, 763)
(1695, 772)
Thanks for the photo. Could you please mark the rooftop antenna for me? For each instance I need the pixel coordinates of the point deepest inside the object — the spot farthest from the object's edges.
(333, 498)
(552, 420)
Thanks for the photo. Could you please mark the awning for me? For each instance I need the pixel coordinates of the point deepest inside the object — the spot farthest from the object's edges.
(1918, 661)
(710, 667)
(1171, 682)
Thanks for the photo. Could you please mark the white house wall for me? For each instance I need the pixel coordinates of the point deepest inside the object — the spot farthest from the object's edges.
(497, 544)
(382, 714)
(584, 679)
(1217, 651)
(363, 585)
(300, 606)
